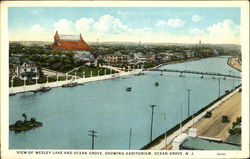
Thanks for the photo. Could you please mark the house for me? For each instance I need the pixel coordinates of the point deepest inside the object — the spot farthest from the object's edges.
(83, 56)
(26, 69)
(69, 43)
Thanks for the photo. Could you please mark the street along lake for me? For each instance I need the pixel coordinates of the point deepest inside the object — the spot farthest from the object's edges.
(106, 107)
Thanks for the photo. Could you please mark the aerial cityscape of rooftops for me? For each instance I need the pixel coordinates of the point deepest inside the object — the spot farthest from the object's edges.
(137, 78)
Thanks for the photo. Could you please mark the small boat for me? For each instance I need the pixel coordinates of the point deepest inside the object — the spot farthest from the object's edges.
(224, 78)
(213, 77)
(72, 84)
(42, 89)
(25, 125)
(128, 89)
(12, 94)
(156, 84)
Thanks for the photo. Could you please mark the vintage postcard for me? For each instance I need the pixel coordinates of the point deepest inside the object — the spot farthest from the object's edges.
(127, 80)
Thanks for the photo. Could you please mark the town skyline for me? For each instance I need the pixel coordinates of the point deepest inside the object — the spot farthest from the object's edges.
(127, 24)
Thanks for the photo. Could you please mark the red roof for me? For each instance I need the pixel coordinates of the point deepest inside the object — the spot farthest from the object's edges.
(76, 44)
(71, 45)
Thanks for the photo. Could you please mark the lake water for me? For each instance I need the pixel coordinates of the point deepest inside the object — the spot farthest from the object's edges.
(106, 107)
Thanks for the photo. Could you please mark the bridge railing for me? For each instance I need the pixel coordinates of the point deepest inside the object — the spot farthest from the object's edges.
(196, 72)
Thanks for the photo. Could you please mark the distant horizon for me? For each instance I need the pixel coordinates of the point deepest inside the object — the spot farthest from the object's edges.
(92, 42)
(133, 24)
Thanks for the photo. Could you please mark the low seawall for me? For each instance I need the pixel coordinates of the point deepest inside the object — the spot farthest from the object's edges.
(159, 142)
(33, 87)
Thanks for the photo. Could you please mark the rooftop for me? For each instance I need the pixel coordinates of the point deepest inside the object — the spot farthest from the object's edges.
(192, 143)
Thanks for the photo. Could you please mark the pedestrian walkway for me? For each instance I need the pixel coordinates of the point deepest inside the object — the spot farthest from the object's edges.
(27, 88)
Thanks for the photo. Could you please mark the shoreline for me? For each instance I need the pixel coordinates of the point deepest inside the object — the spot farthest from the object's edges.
(159, 142)
(234, 63)
(30, 88)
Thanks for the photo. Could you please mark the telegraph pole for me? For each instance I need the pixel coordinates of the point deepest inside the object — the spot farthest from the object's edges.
(152, 118)
(92, 133)
(188, 101)
(219, 87)
(130, 135)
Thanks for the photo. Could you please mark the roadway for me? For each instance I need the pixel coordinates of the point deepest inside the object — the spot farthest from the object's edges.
(213, 127)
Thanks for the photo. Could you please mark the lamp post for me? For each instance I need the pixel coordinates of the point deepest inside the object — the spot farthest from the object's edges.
(105, 71)
(47, 79)
(233, 78)
(12, 81)
(36, 80)
(91, 74)
(24, 81)
(83, 74)
(57, 80)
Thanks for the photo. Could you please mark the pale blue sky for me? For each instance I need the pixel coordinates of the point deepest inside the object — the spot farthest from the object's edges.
(154, 24)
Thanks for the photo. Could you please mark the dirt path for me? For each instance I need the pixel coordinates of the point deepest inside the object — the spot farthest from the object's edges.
(213, 127)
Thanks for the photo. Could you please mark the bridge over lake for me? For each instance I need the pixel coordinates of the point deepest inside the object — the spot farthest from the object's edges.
(195, 72)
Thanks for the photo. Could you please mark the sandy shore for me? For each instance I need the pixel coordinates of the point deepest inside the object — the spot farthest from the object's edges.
(233, 62)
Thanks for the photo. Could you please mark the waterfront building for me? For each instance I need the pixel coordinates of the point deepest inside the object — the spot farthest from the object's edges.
(26, 70)
(69, 43)
(83, 56)
(116, 58)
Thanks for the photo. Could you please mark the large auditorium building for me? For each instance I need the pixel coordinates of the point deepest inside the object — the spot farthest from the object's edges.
(69, 43)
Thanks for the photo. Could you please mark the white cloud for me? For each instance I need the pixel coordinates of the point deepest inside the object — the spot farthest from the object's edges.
(224, 28)
(84, 24)
(64, 26)
(37, 28)
(175, 23)
(110, 24)
(196, 18)
(196, 31)
(160, 23)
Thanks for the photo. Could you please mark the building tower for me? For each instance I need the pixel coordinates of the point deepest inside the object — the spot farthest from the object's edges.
(56, 38)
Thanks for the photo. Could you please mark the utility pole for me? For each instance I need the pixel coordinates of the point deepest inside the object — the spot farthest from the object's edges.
(188, 101)
(152, 118)
(219, 87)
(92, 133)
(130, 135)
(181, 119)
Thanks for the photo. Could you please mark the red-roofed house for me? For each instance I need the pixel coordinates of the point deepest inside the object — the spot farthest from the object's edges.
(69, 42)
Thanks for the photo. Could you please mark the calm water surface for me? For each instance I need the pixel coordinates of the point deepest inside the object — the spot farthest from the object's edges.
(69, 113)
